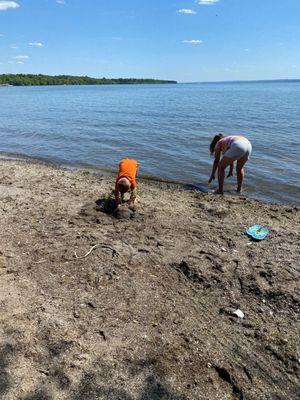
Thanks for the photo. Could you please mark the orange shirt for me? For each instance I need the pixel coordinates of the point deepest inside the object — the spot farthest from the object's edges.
(128, 169)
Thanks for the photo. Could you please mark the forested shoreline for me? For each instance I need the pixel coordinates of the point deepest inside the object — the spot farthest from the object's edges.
(45, 80)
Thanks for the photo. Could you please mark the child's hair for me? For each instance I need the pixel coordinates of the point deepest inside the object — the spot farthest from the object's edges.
(123, 185)
(214, 142)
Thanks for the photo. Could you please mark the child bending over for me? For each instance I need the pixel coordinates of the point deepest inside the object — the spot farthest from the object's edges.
(126, 181)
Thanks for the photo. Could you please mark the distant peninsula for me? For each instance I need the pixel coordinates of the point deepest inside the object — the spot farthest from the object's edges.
(46, 80)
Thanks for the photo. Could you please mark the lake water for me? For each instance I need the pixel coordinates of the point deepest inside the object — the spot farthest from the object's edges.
(167, 128)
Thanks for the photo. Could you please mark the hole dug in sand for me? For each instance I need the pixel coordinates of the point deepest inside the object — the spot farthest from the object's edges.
(108, 206)
(123, 212)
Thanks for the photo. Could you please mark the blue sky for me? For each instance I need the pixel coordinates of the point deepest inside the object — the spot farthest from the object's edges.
(186, 40)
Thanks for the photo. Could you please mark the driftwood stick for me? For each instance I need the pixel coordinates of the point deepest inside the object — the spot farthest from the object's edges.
(93, 248)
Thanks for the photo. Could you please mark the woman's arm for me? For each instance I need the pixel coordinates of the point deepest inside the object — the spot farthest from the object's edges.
(215, 165)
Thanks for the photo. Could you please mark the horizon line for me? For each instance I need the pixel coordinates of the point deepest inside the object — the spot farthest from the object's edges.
(243, 80)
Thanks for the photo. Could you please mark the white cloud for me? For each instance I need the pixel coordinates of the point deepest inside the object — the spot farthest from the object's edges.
(193, 41)
(36, 44)
(14, 62)
(21, 57)
(60, 2)
(13, 46)
(207, 2)
(186, 11)
(5, 5)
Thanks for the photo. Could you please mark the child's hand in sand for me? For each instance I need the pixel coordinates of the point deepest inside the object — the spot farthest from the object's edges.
(131, 204)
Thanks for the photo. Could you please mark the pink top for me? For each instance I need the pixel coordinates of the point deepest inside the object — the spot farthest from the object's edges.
(224, 143)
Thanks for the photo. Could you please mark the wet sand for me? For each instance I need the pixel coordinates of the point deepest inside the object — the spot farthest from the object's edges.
(92, 307)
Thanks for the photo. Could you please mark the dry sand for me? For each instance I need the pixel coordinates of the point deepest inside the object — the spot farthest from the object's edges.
(148, 313)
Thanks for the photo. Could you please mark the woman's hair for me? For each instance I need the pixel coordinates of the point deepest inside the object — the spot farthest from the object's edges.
(214, 142)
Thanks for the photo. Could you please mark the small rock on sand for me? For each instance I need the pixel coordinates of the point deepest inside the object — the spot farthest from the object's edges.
(239, 314)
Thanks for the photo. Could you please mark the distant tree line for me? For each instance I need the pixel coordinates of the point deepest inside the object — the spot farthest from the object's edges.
(42, 80)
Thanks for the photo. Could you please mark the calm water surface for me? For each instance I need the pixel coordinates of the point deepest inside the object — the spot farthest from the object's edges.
(166, 127)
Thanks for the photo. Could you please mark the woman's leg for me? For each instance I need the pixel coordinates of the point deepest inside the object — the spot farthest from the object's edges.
(240, 172)
(221, 172)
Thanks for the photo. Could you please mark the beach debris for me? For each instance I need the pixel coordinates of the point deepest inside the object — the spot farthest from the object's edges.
(91, 304)
(104, 246)
(108, 202)
(239, 313)
(103, 335)
(44, 371)
(39, 262)
(236, 313)
(223, 249)
(88, 253)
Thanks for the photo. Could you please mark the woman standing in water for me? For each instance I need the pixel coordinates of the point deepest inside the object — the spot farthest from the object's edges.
(233, 148)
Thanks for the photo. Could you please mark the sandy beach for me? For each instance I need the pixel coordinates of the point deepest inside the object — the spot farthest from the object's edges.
(92, 307)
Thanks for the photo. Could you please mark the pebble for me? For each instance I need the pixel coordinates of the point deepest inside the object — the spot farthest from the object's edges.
(91, 304)
(44, 371)
(239, 313)
(83, 356)
(102, 333)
